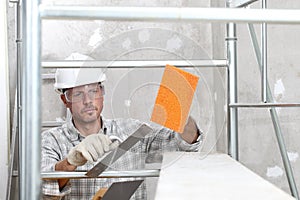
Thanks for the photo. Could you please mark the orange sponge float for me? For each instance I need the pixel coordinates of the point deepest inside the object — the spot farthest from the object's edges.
(174, 98)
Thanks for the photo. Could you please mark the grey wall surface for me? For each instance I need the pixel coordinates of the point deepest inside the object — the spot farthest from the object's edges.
(131, 92)
(258, 145)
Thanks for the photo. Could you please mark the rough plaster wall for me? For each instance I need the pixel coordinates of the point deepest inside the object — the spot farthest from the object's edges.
(258, 145)
(12, 81)
(12, 53)
(219, 85)
(4, 96)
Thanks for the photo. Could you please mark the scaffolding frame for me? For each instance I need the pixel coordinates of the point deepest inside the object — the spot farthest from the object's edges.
(29, 91)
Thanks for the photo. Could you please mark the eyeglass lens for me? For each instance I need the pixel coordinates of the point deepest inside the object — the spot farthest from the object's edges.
(76, 96)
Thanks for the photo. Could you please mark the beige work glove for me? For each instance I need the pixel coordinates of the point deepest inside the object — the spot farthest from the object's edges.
(90, 149)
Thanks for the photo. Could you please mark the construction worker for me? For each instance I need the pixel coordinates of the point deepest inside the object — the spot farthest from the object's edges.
(80, 143)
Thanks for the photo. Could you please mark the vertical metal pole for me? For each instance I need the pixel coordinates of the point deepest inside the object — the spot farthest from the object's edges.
(20, 66)
(284, 156)
(264, 74)
(232, 90)
(30, 180)
(274, 116)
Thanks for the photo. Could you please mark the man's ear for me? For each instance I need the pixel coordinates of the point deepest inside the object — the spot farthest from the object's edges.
(64, 100)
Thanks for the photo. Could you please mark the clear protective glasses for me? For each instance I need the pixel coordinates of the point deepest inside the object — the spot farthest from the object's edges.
(94, 92)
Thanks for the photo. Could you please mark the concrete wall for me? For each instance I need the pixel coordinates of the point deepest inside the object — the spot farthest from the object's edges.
(258, 145)
(4, 96)
(131, 92)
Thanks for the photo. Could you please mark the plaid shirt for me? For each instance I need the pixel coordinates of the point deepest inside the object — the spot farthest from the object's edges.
(57, 142)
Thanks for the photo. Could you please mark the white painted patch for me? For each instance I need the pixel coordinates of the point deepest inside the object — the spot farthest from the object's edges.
(279, 89)
(293, 156)
(127, 103)
(144, 36)
(78, 56)
(274, 172)
(95, 39)
(174, 43)
(216, 96)
(126, 44)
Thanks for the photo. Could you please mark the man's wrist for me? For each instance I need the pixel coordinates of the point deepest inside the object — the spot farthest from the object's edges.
(70, 165)
(198, 136)
(64, 165)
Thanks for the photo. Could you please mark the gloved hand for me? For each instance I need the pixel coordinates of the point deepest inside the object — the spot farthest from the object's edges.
(90, 149)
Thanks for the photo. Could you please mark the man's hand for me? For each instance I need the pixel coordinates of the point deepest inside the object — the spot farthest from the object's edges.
(190, 132)
(90, 149)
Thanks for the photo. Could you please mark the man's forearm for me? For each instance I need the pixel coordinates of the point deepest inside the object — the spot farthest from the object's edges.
(64, 165)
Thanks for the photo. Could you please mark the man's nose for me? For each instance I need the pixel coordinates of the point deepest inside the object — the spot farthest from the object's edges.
(86, 98)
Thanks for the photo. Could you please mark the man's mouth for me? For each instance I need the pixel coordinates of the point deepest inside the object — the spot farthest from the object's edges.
(89, 109)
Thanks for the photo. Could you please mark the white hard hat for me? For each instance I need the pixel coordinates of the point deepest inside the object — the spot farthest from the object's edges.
(69, 77)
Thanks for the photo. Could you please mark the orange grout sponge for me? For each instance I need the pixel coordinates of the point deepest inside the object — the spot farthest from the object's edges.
(174, 98)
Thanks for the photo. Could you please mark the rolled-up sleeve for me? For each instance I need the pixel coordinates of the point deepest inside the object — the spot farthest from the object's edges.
(51, 190)
(165, 139)
(185, 146)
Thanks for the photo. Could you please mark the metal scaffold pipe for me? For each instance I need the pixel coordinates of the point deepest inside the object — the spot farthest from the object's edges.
(134, 63)
(280, 16)
(264, 72)
(30, 178)
(232, 90)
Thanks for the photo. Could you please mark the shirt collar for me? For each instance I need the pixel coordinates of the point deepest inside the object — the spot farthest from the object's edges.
(73, 132)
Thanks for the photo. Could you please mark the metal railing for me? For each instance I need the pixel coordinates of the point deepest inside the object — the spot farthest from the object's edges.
(105, 174)
(278, 16)
(134, 63)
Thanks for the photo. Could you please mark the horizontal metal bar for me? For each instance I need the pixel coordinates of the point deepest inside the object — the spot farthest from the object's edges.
(134, 63)
(263, 105)
(48, 76)
(13, 1)
(171, 14)
(106, 174)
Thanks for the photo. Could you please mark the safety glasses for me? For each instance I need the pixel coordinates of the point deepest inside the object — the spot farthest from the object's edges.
(74, 96)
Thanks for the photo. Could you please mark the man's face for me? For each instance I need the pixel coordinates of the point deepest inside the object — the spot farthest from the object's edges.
(85, 102)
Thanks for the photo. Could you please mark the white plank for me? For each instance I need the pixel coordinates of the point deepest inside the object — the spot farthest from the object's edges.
(217, 176)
